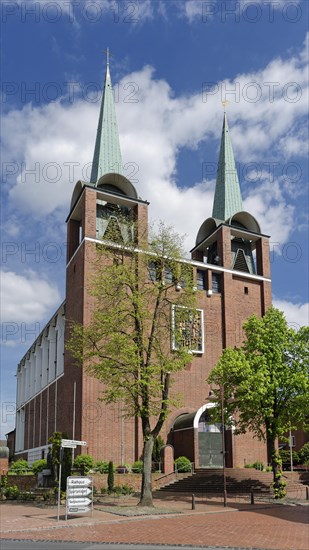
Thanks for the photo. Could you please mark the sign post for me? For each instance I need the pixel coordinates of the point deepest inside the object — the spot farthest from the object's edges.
(69, 444)
(79, 495)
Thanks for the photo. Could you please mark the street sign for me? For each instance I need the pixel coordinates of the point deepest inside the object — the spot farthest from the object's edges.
(65, 445)
(75, 510)
(79, 481)
(78, 492)
(78, 502)
(69, 442)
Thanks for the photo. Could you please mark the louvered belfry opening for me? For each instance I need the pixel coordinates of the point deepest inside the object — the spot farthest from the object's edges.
(240, 263)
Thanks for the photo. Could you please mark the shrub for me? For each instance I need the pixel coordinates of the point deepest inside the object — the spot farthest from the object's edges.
(48, 495)
(102, 466)
(137, 467)
(248, 465)
(304, 454)
(11, 493)
(110, 477)
(182, 464)
(20, 466)
(84, 463)
(126, 490)
(103, 490)
(258, 465)
(39, 465)
(26, 495)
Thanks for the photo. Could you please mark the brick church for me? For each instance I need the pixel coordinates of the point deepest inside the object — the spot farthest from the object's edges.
(231, 267)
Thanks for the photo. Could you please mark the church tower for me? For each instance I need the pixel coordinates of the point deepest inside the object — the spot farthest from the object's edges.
(103, 209)
(232, 239)
(231, 258)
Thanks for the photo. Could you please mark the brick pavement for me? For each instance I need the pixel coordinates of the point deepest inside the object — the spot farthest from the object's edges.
(276, 527)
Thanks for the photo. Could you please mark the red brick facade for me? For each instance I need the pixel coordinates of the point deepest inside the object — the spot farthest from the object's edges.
(71, 404)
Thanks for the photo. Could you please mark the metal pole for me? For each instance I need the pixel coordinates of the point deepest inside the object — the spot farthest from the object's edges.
(291, 450)
(59, 483)
(223, 445)
(74, 413)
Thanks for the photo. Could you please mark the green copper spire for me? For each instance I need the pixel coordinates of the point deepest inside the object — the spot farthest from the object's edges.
(107, 154)
(227, 199)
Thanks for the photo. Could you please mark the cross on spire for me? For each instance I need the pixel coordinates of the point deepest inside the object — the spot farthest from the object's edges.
(225, 104)
(108, 55)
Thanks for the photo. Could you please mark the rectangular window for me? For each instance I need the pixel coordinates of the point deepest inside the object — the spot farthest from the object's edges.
(187, 329)
(201, 279)
(168, 275)
(216, 282)
(152, 271)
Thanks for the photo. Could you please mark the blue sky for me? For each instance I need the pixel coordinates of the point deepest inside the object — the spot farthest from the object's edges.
(172, 64)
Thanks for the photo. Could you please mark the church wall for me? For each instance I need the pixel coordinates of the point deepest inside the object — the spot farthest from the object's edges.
(247, 450)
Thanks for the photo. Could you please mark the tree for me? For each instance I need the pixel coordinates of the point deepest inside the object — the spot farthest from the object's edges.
(265, 382)
(127, 345)
(55, 440)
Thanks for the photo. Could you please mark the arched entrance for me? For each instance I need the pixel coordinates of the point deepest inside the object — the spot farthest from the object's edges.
(199, 438)
(209, 439)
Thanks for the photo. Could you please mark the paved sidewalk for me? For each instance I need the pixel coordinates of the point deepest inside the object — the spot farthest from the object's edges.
(263, 526)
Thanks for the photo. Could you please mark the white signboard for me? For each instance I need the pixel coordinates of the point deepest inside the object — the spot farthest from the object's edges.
(78, 481)
(79, 502)
(78, 491)
(69, 442)
(67, 445)
(75, 510)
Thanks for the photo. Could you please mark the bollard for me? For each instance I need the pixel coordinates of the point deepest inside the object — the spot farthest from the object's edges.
(307, 493)
(252, 497)
(193, 502)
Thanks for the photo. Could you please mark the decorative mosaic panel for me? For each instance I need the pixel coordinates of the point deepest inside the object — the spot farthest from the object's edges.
(187, 329)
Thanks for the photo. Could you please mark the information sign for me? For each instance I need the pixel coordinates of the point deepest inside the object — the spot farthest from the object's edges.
(78, 491)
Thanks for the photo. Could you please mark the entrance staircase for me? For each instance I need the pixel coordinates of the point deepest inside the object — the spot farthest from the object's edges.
(210, 480)
(238, 481)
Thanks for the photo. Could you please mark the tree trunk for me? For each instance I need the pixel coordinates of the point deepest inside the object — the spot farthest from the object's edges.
(275, 464)
(146, 492)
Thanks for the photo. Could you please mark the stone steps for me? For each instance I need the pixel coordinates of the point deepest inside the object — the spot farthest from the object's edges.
(211, 481)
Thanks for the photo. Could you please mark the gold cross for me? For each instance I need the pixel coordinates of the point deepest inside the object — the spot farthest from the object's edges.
(225, 104)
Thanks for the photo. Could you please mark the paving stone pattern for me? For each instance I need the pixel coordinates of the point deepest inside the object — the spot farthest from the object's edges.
(262, 526)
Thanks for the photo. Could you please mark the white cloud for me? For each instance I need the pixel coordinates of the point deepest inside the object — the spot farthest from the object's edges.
(154, 126)
(193, 9)
(297, 315)
(26, 298)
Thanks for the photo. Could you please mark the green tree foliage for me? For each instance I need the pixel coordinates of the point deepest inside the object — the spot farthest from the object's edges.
(84, 463)
(55, 440)
(127, 346)
(285, 456)
(266, 381)
(304, 454)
